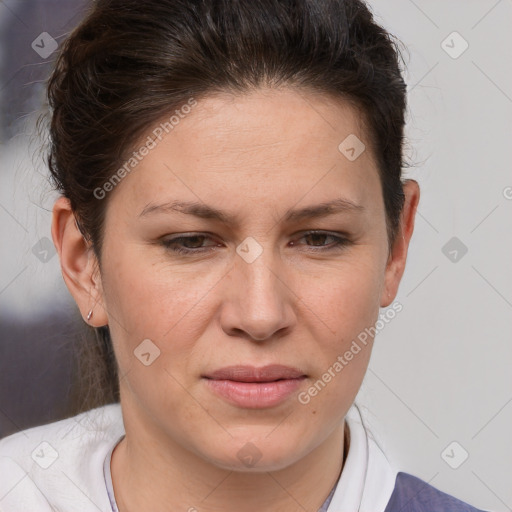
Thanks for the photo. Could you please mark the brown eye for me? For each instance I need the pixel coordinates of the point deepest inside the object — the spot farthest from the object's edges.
(316, 239)
(187, 244)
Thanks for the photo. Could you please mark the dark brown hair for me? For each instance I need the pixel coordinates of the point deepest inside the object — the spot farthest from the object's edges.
(130, 62)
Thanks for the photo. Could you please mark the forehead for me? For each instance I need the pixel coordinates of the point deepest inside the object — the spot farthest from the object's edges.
(267, 147)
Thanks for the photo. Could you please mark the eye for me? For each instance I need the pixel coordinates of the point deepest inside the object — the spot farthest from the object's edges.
(193, 244)
(321, 236)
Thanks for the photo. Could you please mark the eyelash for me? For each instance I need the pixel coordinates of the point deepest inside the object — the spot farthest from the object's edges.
(340, 243)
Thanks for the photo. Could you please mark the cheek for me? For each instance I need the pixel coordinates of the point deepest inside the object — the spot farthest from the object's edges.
(152, 297)
(347, 302)
(347, 294)
(157, 301)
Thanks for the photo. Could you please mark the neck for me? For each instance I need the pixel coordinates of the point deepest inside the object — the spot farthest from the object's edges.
(147, 477)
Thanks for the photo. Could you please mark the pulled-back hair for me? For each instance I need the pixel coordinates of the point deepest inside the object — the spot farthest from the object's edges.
(130, 62)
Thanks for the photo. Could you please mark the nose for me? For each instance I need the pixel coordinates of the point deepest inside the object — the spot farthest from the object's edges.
(258, 299)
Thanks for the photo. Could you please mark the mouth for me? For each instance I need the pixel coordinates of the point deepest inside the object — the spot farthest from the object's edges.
(268, 373)
(255, 388)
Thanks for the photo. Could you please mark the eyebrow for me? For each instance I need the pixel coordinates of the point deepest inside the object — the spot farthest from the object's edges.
(204, 211)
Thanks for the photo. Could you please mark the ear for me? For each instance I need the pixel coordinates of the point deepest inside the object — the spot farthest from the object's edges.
(78, 262)
(398, 255)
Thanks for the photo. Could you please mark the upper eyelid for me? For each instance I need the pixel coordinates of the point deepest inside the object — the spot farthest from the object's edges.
(300, 233)
(342, 238)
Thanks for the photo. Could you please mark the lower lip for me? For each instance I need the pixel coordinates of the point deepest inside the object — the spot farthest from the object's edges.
(255, 395)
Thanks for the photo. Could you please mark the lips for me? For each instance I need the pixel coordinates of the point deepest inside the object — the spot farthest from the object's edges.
(252, 374)
(249, 387)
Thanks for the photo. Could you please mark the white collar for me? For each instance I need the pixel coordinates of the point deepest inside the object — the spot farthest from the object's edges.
(367, 480)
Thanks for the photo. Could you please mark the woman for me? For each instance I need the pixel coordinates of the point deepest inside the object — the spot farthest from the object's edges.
(232, 218)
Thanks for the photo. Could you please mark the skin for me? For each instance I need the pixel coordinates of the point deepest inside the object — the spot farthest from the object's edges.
(255, 156)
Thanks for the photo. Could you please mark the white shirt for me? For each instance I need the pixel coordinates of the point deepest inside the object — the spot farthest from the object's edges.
(65, 466)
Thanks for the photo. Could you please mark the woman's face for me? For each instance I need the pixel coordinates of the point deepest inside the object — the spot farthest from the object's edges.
(255, 287)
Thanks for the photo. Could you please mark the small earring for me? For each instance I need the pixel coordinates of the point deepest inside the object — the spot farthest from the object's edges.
(89, 315)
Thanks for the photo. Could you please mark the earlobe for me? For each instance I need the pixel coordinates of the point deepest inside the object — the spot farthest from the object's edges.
(78, 264)
(398, 255)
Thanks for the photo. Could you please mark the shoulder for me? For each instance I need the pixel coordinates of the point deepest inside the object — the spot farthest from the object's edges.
(415, 495)
(53, 465)
(82, 431)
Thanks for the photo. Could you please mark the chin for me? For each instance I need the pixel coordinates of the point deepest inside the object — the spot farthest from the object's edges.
(257, 453)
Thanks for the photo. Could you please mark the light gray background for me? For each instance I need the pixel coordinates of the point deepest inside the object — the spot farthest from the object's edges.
(440, 371)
